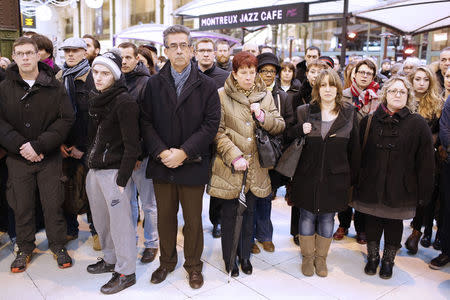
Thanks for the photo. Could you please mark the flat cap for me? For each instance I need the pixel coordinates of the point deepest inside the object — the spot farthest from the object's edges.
(73, 43)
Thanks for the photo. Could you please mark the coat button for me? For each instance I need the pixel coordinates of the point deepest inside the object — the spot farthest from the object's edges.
(27, 125)
(27, 105)
(249, 139)
(248, 123)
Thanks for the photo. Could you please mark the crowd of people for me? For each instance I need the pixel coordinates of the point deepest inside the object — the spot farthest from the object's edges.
(104, 132)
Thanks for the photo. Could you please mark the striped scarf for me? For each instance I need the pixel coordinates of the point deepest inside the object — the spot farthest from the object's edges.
(69, 74)
(364, 97)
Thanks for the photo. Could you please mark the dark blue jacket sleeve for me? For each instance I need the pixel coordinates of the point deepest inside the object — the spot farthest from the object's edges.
(444, 125)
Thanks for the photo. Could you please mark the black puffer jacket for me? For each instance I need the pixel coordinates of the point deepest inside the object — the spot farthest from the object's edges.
(398, 160)
(116, 142)
(41, 115)
(327, 167)
(136, 81)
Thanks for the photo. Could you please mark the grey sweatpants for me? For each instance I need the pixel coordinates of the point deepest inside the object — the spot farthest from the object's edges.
(111, 213)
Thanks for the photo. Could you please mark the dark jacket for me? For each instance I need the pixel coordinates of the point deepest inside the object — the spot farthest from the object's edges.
(286, 106)
(41, 115)
(303, 96)
(227, 67)
(398, 160)
(444, 125)
(189, 122)
(218, 75)
(293, 88)
(440, 78)
(78, 135)
(136, 82)
(116, 143)
(2, 74)
(301, 71)
(327, 167)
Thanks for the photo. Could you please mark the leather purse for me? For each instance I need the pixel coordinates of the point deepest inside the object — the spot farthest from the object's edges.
(288, 161)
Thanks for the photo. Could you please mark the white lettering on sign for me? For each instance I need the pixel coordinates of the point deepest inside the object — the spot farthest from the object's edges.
(224, 20)
(271, 15)
(249, 17)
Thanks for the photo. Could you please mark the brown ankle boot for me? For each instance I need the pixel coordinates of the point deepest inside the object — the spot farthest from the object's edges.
(322, 248)
(412, 243)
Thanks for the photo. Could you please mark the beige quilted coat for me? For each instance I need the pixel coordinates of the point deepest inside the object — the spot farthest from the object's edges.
(236, 137)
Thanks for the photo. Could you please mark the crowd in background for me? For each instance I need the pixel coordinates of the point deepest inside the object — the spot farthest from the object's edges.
(103, 132)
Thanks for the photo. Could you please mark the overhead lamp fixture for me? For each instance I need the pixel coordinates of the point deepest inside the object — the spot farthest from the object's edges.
(94, 3)
(351, 35)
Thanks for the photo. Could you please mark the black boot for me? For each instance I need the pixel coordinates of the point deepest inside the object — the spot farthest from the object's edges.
(426, 241)
(246, 266)
(387, 263)
(373, 258)
(117, 283)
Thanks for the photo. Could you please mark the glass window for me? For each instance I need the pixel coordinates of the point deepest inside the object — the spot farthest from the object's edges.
(142, 12)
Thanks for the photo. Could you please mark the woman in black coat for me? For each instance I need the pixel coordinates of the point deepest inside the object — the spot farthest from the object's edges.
(398, 153)
(326, 169)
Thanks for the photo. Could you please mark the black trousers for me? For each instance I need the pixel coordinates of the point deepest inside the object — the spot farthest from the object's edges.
(229, 208)
(215, 208)
(23, 178)
(345, 218)
(445, 207)
(295, 217)
(392, 228)
(426, 214)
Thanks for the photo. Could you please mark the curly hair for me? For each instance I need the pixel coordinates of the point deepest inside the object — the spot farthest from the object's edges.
(430, 104)
(333, 80)
(410, 102)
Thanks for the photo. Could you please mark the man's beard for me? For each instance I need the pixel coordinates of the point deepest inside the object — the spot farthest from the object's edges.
(223, 59)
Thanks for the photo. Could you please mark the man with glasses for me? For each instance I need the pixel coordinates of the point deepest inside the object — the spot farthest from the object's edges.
(205, 54)
(35, 117)
(179, 119)
(363, 94)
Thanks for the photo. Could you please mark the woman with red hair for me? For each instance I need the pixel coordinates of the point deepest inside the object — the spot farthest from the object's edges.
(244, 95)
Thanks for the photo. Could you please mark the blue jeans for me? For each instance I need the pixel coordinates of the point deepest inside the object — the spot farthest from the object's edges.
(263, 230)
(308, 226)
(144, 186)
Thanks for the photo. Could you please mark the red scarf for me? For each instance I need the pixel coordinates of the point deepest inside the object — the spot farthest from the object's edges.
(364, 97)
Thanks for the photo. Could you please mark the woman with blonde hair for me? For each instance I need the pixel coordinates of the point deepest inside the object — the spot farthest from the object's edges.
(349, 74)
(429, 105)
(326, 169)
(396, 172)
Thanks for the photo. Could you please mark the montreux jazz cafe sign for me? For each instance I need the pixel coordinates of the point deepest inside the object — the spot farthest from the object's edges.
(282, 14)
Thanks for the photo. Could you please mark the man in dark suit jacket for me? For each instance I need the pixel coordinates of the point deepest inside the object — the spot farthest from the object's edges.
(180, 118)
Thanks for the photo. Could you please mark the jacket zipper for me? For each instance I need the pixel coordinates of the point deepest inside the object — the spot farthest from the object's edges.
(105, 152)
(94, 147)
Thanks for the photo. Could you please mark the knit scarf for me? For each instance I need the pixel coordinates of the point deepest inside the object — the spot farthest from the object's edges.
(180, 78)
(69, 74)
(364, 97)
(49, 62)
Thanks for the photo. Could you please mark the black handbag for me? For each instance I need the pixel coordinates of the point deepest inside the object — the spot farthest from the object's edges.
(289, 159)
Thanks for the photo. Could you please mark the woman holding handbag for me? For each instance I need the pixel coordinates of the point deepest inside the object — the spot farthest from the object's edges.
(327, 167)
(398, 154)
(243, 96)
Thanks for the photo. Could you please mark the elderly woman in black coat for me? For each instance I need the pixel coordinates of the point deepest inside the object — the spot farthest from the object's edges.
(396, 172)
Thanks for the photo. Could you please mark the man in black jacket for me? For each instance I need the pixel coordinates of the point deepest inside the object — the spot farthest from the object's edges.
(136, 77)
(180, 118)
(205, 54)
(35, 118)
(77, 78)
(312, 53)
(223, 56)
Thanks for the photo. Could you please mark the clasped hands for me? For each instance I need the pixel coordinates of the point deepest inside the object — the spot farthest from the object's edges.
(173, 158)
(27, 151)
(71, 152)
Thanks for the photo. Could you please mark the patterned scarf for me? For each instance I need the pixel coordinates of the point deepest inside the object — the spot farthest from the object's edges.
(49, 62)
(364, 97)
(241, 90)
(69, 74)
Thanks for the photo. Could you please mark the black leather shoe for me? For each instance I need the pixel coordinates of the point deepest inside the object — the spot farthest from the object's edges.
(235, 271)
(149, 255)
(246, 266)
(438, 262)
(118, 282)
(217, 231)
(437, 244)
(159, 275)
(195, 279)
(426, 241)
(100, 267)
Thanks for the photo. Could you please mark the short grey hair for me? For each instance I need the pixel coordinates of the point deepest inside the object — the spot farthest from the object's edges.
(176, 29)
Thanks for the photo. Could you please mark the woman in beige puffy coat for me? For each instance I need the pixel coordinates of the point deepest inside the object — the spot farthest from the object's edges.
(244, 94)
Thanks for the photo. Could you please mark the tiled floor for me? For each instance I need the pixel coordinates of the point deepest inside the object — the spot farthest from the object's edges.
(275, 275)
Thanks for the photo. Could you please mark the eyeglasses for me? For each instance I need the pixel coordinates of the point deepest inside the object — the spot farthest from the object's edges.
(268, 72)
(22, 54)
(368, 74)
(175, 46)
(395, 92)
(209, 51)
